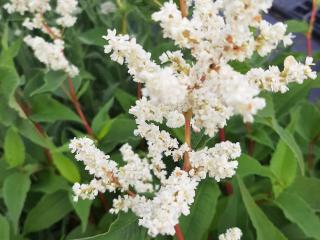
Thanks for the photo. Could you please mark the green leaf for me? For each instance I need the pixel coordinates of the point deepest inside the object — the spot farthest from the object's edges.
(299, 212)
(196, 225)
(66, 167)
(82, 209)
(48, 182)
(308, 121)
(125, 99)
(9, 82)
(14, 150)
(287, 139)
(250, 166)
(297, 26)
(261, 136)
(52, 81)
(296, 93)
(8, 53)
(49, 210)
(284, 162)
(308, 189)
(102, 117)
(47, 109)
(29, 131)
(120, 131)
(93, 37)
(264, 227)
(284, 165)
(125, 227)
(4, 229)
(15, 189)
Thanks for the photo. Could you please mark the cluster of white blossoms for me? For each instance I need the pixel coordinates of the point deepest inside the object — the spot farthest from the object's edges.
(203, 93)
(231, 234)
(35, 13)
(161, 213)
(215, 161)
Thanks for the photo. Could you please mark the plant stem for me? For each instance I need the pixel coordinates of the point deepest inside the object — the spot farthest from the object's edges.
(251, 143)
(75, 101)
(183, 8)
(187, 130)
(187, 137)
(139, 90)
(311, 28)
(27, 111)
(179, 233)
(310, 152)
(103, 201)
(124, 23)
(310, 53)
(222, 135)
(228, 185)
(156, 2)
(78, 108)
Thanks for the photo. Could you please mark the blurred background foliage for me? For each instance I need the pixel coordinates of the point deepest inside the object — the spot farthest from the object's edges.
(275, 195)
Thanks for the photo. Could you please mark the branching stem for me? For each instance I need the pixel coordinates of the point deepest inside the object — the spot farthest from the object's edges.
(187, 136)
(78, 108)
(179, 233)
(183, 8)
(311, 28)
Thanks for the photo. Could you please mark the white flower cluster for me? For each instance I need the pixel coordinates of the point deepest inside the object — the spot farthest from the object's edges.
(49, 53)
(161, 214)
(277, 81)
(215, 161)
(171, 199)
(218, 32)
(98, 164)
(231, 234)
(203, 93)
(67, 9)
(136, 172)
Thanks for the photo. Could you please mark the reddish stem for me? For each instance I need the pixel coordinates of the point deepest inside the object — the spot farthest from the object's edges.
(228, 185)
(229, 188)
(139, 90)
(42, 133)
(103, 201)
(179, 233)
(27, 111)
(310, 152)
(187, 136)
(311, 28)
(49, 31)
(251, 143)
(222, 135)
(78, 108)
(183, 8)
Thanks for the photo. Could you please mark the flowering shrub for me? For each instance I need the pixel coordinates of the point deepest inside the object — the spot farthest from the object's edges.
(213, 146)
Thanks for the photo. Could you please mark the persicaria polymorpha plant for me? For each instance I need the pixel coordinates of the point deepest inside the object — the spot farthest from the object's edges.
(201, 94)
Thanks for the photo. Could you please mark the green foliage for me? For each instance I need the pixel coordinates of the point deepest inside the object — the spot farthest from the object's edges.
(14, 149)
(299, 212)
(4, 228)
(49, 210)
(276, 193)
(264, 227)
(66, 167)
(196, 225)
(124, 227)
(15, 189)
